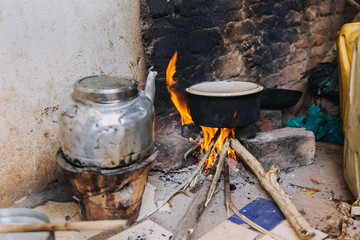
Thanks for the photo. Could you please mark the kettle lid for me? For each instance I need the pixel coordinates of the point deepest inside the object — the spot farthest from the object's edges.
(105, 88)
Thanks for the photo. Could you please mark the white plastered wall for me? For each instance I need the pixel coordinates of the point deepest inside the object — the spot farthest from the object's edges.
(45, 46)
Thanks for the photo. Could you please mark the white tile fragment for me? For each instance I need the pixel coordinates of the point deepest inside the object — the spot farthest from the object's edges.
(284, 229)
(148, 201)
(165, 208)
(355, 211)
(229, 231)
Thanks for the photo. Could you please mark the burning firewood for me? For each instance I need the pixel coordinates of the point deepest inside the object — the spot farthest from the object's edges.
(218, 171)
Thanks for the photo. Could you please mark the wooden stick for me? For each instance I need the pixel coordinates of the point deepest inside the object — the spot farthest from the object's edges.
(219, 166)
(67, 226)
(195, 182)
(232, 166)
(188, 223)
(269, 181)
(193, 148)
(186, 183)
(227, 187)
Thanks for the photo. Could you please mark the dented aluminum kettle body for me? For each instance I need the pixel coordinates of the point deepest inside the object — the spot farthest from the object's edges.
(107, 122)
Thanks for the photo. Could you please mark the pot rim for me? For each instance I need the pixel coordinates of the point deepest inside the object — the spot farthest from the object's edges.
(224, 88)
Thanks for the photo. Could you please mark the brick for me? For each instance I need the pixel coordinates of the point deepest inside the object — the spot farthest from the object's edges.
(229, 31)
(287, 147)
(293, 72)
(230, 65)
(303, 41)
(158, 8)
(299, 55)
(335, 26)
(204, 40)
(310, 13)
(340, 7)
(293, 18)
(318, 38)
(326, 8)
(235, 31)
(279, 49)
(291, 35)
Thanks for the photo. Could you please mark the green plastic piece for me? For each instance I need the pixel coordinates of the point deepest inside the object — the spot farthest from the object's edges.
(324, 126)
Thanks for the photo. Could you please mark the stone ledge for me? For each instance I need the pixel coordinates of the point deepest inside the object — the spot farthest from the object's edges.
(287, 147)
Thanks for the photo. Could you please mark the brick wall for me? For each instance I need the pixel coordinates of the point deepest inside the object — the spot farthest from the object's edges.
(270, 42)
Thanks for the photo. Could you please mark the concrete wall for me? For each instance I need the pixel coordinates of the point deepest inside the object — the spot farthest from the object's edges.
(45, 46)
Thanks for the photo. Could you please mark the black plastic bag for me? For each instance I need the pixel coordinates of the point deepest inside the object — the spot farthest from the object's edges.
(323, 80)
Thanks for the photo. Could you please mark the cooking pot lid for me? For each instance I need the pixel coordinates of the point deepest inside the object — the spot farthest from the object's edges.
(105, 88)
(224, 88)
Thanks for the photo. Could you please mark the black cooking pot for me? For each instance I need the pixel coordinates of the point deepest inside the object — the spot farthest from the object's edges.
(224, 104)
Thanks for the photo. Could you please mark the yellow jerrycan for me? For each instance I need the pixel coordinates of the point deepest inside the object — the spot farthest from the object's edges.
(345, 42)
(352, 130)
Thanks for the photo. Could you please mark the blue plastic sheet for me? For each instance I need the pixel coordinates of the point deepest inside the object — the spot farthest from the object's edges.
(324, 126)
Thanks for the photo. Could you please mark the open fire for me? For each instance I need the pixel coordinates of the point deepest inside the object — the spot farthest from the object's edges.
(179, 99)
(216, 143)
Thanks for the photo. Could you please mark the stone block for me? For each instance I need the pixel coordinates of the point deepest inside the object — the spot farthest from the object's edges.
(171, 150)
(287, 147)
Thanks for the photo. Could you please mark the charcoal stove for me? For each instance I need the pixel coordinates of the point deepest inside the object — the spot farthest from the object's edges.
(103, 194)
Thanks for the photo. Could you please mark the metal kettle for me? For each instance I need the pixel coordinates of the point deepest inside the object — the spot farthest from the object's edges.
(107, 122)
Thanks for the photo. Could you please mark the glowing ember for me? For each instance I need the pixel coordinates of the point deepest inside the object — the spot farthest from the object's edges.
(179, 100)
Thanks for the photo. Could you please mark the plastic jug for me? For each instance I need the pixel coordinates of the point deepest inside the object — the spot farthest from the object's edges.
(345, 42)
(352, 130)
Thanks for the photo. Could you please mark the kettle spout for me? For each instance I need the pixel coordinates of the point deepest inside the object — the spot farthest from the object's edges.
(150, 85)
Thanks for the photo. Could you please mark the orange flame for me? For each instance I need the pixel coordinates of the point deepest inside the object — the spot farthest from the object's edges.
(177, 96)
(209, 133)
(179, 100)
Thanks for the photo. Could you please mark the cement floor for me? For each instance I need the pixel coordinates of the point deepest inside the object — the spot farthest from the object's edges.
(319, 208)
